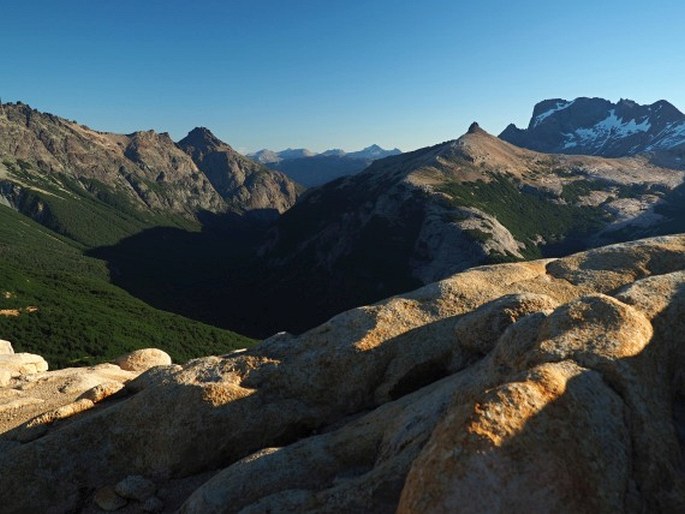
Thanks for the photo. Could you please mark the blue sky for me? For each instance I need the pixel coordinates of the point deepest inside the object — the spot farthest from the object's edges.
(328, 73)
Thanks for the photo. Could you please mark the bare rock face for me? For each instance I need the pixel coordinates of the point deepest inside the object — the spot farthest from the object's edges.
(13, 365)
(516, 437)
(450, 242)
(243, 183)
(145, 169)
(546, 386)
(142, 360)
(34, 400)
(5, 347)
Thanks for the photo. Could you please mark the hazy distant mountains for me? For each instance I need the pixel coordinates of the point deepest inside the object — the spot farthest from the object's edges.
(594, 126)
(370, 152)
(266, 156)
(311, 169)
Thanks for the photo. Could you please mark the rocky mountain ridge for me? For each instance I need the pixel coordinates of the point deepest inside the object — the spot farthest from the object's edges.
(244, 184)
(405, 221)
(547, 386)
(424, 215)
(145, 166)
(49, 164)
(594, 126)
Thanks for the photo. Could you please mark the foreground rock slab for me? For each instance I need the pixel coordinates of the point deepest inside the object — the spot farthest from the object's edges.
(32, 399)
(547, 386)
(142, 360)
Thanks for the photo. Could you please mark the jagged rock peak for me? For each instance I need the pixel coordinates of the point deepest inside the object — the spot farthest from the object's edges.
(595, 126)
(202, 137)
(245, 184)
(123, 163)
(474, 128)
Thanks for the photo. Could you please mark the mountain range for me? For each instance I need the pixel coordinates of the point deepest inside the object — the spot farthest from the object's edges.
(432, 345)
(266, 156)
(86, 189)
(219, 238)
(372, 152)
(594, 126)
(311, 169)
(127, 182)
(418, 217)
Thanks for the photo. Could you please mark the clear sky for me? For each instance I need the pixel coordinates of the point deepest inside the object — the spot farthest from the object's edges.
(329, 73)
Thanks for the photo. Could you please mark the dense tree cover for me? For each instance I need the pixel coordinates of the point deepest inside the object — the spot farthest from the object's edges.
(70, 313)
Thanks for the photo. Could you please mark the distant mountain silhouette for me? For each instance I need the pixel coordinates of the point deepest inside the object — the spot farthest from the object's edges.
(311, 169)
(373, 152)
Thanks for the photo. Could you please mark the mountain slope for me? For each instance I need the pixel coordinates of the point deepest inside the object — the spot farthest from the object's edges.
(56, 302)
(88, 189)
(86, 210)
(243, 184)
(98, 187)
(406, 220)
(423, 215)
(594, 126)
(148, 168)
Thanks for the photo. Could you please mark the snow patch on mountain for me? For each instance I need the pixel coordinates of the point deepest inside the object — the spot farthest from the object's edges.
(673, 135)
(612, 126)
(560, 106)
(595, 126)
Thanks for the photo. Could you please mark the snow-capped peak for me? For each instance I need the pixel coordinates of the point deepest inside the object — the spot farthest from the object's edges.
(596, 126)
(560, 106)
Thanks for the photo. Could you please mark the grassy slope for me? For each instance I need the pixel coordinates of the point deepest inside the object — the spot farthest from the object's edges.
(88, 212)
(81, 317)
(526, 215)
